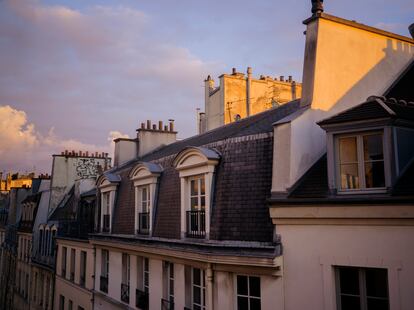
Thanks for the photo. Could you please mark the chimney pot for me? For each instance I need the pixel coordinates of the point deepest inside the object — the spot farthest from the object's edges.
(166, 128)
(87, 154)
(142, 125)
(411, 29)
(154, 127)
(63, 153)
(171, 124)
(282, 78)
(66, 152)
(160, 125)
(148, 124)
(317, 6)
(233, 71)
(290, 78)
(96, 154)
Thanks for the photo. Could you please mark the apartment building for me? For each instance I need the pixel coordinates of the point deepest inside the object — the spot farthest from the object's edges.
(238, 96)
(343, 202)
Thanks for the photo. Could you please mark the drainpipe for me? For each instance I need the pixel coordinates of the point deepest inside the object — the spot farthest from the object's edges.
(248, 85)
(210, 281)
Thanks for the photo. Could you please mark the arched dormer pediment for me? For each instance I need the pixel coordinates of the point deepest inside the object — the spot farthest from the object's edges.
(192, 157)
(108, 181)
(145, 170)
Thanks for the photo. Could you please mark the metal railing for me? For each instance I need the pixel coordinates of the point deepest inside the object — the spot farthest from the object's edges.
(167, 304)
(196, 224)
(143, 222)
(125, 292)
(106, 226)
(141, 300)
(103, 285)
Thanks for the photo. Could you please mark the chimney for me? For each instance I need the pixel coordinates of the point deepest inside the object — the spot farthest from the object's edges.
(233, 71)
(349, 76)
(282, 78)
(125, 150)
(248, 90)
(151, 138)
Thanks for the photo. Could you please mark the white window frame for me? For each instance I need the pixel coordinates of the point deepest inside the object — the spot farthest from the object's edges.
(107, 190)
(362, 287)
(143, 177)
(202, 287)
(334, 160)
(192, 162)
(248, 296)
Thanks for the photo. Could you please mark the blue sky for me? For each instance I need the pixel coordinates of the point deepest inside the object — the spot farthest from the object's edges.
(74, 74)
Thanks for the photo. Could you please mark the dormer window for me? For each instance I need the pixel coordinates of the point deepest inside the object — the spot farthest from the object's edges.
(107, 184)
(145, 178)
(361, 161)
(196, 166)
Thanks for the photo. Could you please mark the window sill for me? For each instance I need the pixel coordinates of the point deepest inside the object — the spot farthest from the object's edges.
(378, 190)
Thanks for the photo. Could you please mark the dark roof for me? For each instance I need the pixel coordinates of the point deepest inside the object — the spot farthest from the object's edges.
(256, 124)
(403, 88)
(237, 212)
(404, 186)
(314, 183)
(89, 193)
(374, 108)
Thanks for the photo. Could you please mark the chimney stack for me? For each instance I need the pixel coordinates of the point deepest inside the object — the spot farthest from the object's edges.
(148, 124)
(233, 71)
(171, 124)
(317, 6)
(248, 90)
(282, 78)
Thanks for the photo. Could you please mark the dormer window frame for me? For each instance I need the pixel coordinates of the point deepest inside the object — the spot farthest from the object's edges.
(145, 177)
(107, 190)
(334, 175)
(193, 163)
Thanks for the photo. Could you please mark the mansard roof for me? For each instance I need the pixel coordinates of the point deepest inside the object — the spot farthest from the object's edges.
(242, 181)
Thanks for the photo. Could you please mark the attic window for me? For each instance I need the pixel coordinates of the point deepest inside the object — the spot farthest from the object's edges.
(360, 160)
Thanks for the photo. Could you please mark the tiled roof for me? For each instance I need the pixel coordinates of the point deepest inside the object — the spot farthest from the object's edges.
(374, 108)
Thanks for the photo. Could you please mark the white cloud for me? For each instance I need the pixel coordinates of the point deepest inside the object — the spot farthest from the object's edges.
(22, 147)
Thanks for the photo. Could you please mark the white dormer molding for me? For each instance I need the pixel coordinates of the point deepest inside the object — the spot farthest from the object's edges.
(107, 184)
(190, 162)
(145, 174)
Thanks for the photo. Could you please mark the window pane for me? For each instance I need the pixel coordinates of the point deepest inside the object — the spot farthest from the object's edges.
(348, 150)
(377, 304)
(194, 203)
(203, 202)
(377, 284)
(254, 285)
(144, 194)
(349, 176)
(197, 295)
(374, 174)
(203, 186)
(350, 303)
(349, 280)
(373, 147)
(242, 303)
(196, 276)
(254, 304)
(194, 187)
(242, 285)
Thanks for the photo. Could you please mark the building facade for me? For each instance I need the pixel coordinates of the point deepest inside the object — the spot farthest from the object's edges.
(239, 96)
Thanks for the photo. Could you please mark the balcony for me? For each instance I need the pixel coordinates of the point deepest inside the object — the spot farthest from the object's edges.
(143, 223)
(103, 284)
(125, 292)
(106, 220)
(141, 300)
(196, 224)
(167, 304)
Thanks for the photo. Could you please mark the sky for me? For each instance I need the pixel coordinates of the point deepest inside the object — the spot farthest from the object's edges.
(75, 74)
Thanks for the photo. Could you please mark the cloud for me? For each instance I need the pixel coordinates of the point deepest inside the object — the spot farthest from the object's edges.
(23, 148)
(87, 71)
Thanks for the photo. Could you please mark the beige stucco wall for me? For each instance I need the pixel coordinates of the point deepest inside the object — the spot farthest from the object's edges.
(311, 252)
(344, 64)
(224, 297)
(81, 296)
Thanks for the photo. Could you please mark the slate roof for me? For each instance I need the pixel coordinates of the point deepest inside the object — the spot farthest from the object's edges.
(374, 108)
(238, 212)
